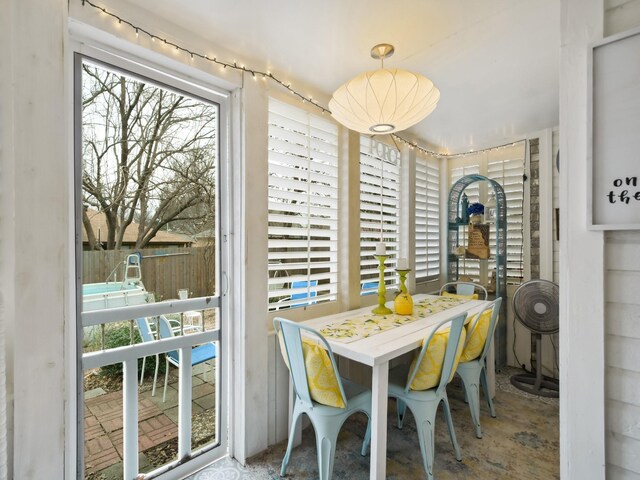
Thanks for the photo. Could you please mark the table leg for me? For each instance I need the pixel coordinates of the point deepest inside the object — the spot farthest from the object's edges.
(379, 387)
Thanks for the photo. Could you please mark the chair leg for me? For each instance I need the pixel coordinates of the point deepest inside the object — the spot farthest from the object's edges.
(144, 360)
(485, 387)
(401, 410)
(294, 422)
(166, 378)
(452, 432)
(426, 436)
(472, 390)
(367, 438)
(155, 376)
(326, 438)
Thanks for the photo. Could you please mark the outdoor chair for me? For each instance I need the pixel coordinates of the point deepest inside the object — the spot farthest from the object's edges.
(200, 354)
(147, 335)
(320, 392)
(422, 386)
(473, 361)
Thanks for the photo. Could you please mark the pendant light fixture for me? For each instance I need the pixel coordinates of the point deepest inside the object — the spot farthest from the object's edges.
(384, 101)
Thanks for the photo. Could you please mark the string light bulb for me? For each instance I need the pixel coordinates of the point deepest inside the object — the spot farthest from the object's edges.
(223, 65)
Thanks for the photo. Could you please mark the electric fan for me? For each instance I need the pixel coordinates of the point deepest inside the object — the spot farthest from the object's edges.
(536, 306)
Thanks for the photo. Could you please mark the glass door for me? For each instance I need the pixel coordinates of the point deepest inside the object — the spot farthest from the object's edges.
(150, 216)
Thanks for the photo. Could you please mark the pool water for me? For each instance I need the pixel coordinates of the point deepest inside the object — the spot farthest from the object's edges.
(97, 288)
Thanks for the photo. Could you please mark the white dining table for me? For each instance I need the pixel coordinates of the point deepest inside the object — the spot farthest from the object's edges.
(377, 351)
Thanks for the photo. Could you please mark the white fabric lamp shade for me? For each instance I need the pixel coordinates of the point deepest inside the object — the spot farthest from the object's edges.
(384, 101)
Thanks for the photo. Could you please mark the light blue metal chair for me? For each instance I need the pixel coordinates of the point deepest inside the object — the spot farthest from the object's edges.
(465, 288)
(474, 372)
(200, 354)
(146, 333)
(326, 420)
(424, 403)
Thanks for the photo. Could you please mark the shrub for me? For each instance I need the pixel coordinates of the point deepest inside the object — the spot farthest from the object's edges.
(119, 336)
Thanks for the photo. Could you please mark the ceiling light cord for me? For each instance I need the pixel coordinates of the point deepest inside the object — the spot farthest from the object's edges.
(254, 72)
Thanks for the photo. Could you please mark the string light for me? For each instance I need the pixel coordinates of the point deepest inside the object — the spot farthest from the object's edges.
(265, 75)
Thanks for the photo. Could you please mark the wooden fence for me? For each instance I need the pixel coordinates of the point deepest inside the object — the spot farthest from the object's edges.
(164, 270)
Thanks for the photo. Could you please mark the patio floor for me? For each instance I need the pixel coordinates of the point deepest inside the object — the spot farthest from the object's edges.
(157, 423)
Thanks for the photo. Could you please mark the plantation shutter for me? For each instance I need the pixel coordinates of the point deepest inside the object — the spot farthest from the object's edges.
(379, 210)
(509, 173)
(303, 207)
(427, 250)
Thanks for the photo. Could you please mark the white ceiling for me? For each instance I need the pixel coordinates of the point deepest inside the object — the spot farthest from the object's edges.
(495, 61)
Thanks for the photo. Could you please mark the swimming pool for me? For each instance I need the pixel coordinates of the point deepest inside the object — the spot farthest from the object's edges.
(131, 291)
(98, 296)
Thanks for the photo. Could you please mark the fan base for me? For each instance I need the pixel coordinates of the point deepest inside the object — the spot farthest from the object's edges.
(534, 384)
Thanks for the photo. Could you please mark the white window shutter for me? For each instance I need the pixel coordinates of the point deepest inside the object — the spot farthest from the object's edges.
(379, 212)
(303, 207)
(510, 173)
(427, 250)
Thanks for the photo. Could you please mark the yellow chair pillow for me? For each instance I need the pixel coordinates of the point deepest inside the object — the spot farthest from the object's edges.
(478, 337)
(430, 369)
(455, 295)
(323, 385)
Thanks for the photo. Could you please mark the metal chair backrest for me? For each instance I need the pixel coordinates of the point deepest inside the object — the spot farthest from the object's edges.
(466, 288)
(456, 324)
(292, 338)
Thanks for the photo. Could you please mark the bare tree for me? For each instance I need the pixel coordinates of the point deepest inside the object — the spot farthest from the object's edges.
(149, 156)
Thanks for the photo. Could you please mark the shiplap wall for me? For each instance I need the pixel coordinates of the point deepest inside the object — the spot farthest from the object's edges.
(622, 315)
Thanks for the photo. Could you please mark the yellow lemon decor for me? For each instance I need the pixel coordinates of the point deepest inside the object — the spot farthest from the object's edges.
(364, 326)
(430, 369)
(403, 304)
(478, 337)
(323, 385)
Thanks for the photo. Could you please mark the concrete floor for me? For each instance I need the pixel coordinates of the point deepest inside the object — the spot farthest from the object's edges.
(521, 443)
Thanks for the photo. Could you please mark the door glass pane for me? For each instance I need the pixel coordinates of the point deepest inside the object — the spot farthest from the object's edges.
(149, 216)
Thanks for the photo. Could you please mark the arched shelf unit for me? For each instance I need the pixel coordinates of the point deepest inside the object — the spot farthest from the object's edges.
(499, 254)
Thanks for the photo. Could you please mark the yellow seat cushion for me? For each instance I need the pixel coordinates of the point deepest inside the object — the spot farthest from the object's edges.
(474, 346)
(455, 295)
(430, 368)
(323, 385)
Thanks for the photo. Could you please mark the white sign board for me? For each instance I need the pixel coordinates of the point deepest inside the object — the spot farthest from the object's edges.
(615, 122)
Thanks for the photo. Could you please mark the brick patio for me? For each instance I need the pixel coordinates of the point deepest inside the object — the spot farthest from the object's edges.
(157, 421)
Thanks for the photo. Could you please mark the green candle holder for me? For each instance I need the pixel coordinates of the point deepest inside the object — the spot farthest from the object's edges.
(403, 302)
(382, 289)
(403, 279)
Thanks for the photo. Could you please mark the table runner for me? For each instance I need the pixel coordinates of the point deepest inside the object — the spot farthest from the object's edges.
(366, 325)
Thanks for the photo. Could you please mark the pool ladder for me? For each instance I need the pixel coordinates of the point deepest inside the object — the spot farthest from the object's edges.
(132, 271)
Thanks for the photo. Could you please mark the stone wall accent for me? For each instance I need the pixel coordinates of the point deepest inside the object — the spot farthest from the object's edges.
(534, 206)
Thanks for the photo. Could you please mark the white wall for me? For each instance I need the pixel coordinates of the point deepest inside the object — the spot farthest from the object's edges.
(622, 315)
(35, 239)
(581, 262)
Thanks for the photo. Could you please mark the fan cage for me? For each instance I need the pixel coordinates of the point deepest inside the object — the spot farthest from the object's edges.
(536, 306)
